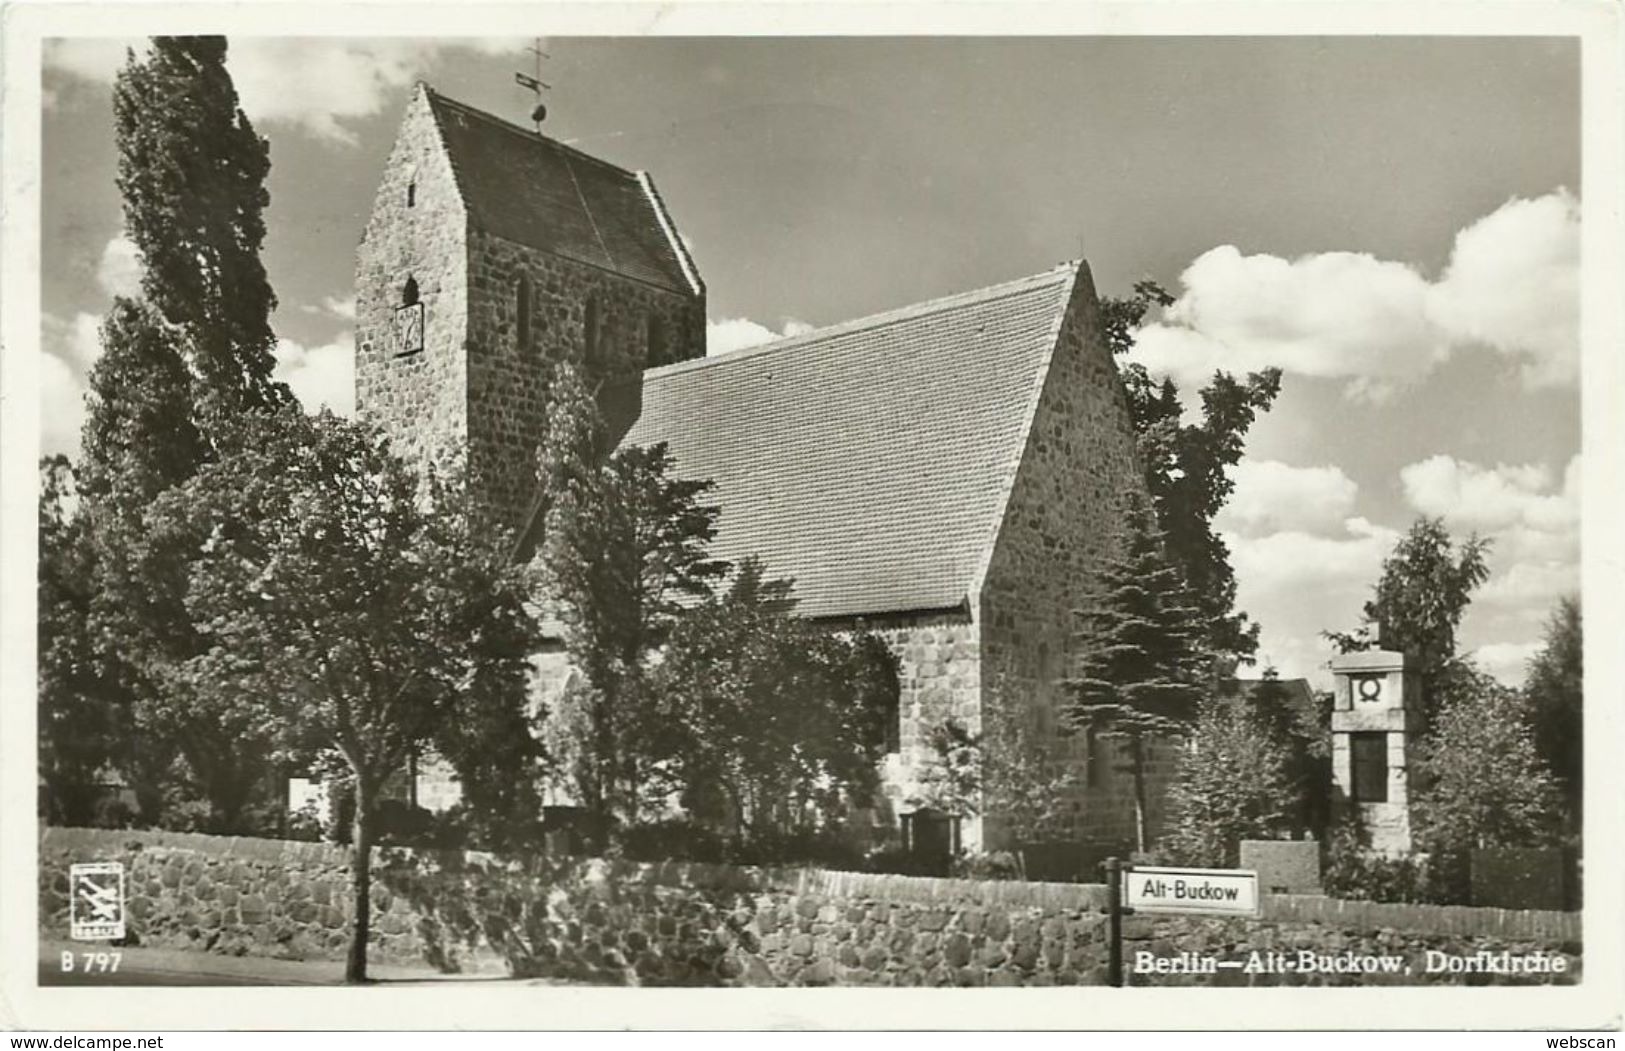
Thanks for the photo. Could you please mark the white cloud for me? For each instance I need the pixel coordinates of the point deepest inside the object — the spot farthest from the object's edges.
(1532, 519)
(1530, 588)
(1273, 497)
(323, 375)
(1511, 285)
(737, 333)
(91, 58)
(119, 271)
(1507, 661)
(1292, 559)
(1337, 315)
(315, 84)
(1492, 499)
(62, 406)
(77, 342)
(1296, 584)
(339, 308)
(71, 348)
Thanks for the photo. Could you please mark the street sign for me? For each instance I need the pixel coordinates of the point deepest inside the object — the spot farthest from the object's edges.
(1221, 892)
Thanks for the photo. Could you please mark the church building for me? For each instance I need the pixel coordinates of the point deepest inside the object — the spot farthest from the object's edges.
(949, 475)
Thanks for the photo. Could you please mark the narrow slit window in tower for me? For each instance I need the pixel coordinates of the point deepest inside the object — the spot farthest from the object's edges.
(656, 341)
(590, 333)
(522, 311)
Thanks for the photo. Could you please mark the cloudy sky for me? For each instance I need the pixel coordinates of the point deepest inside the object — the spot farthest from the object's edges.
(1394, 222)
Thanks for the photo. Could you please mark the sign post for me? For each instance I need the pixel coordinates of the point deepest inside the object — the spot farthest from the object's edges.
(1114, 923)
(1206, 892)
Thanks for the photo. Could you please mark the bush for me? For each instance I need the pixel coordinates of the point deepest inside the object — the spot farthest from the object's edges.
(992, 865)
(112, 812)
(306, 824)
(187, 815)
(819, 848)
(675, 839)
(1354, 871)
(399, 824)
(895, 861)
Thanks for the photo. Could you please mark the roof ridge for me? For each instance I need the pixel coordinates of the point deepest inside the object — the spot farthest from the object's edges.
(1056, 274)
(528, 135)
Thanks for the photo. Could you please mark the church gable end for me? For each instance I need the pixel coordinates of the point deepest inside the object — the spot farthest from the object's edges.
(1077, 469)
(411, 298)
(526, 253)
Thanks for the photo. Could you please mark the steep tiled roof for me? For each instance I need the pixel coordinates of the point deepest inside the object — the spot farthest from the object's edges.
(869, 461)
(537, 191)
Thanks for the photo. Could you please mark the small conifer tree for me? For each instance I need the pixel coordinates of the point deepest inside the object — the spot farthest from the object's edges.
(1142, 667)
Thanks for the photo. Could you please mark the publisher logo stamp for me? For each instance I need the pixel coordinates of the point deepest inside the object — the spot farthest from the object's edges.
(96, 901)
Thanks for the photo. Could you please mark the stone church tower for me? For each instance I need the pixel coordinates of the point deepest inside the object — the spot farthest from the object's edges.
(491, 252)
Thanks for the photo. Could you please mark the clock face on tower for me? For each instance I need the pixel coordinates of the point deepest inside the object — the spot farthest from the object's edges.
(408, 329)
(1368, 689)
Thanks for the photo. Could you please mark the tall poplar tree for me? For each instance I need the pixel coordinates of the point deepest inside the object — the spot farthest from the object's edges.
(192, 171)
(196, 351)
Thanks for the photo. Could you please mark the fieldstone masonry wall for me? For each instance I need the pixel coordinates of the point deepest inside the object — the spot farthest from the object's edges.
(420, 400)
(1077, 471)
(475, 397)
(687, 924)
(506, 392)
(939, 678)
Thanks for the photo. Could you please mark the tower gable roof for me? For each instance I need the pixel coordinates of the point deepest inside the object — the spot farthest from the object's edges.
(525, 187)
(869, 461)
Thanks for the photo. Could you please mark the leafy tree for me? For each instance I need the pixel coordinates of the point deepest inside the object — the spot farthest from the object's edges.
(1011, 773)
(1142, 668)
(82, 731)
(339, 610)
(1303, 742)
(1027, 782)
(951, 779)
(1556, 696)
(192, 172)
(138, 437)
(784, 719)
(623, 550)
(1417, 605)
(1186, 465)
(140, 441)
(1233, 783)
(1485, 783)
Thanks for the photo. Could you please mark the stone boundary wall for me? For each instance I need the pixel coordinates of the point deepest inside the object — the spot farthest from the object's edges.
(678, 923)
(1463, 920)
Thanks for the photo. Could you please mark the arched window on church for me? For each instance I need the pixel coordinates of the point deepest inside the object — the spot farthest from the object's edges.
(409, 292)
(655, 341)
(412, 194)
(522, 310)
(590, 331)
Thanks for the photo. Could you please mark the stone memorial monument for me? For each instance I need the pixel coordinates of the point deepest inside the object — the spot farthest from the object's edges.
(1376, 720)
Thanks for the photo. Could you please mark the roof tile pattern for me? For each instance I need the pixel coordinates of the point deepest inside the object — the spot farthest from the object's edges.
(868, 461)
(539, 192)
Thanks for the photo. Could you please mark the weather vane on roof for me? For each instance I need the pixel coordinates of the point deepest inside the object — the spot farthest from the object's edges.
(535, 84)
